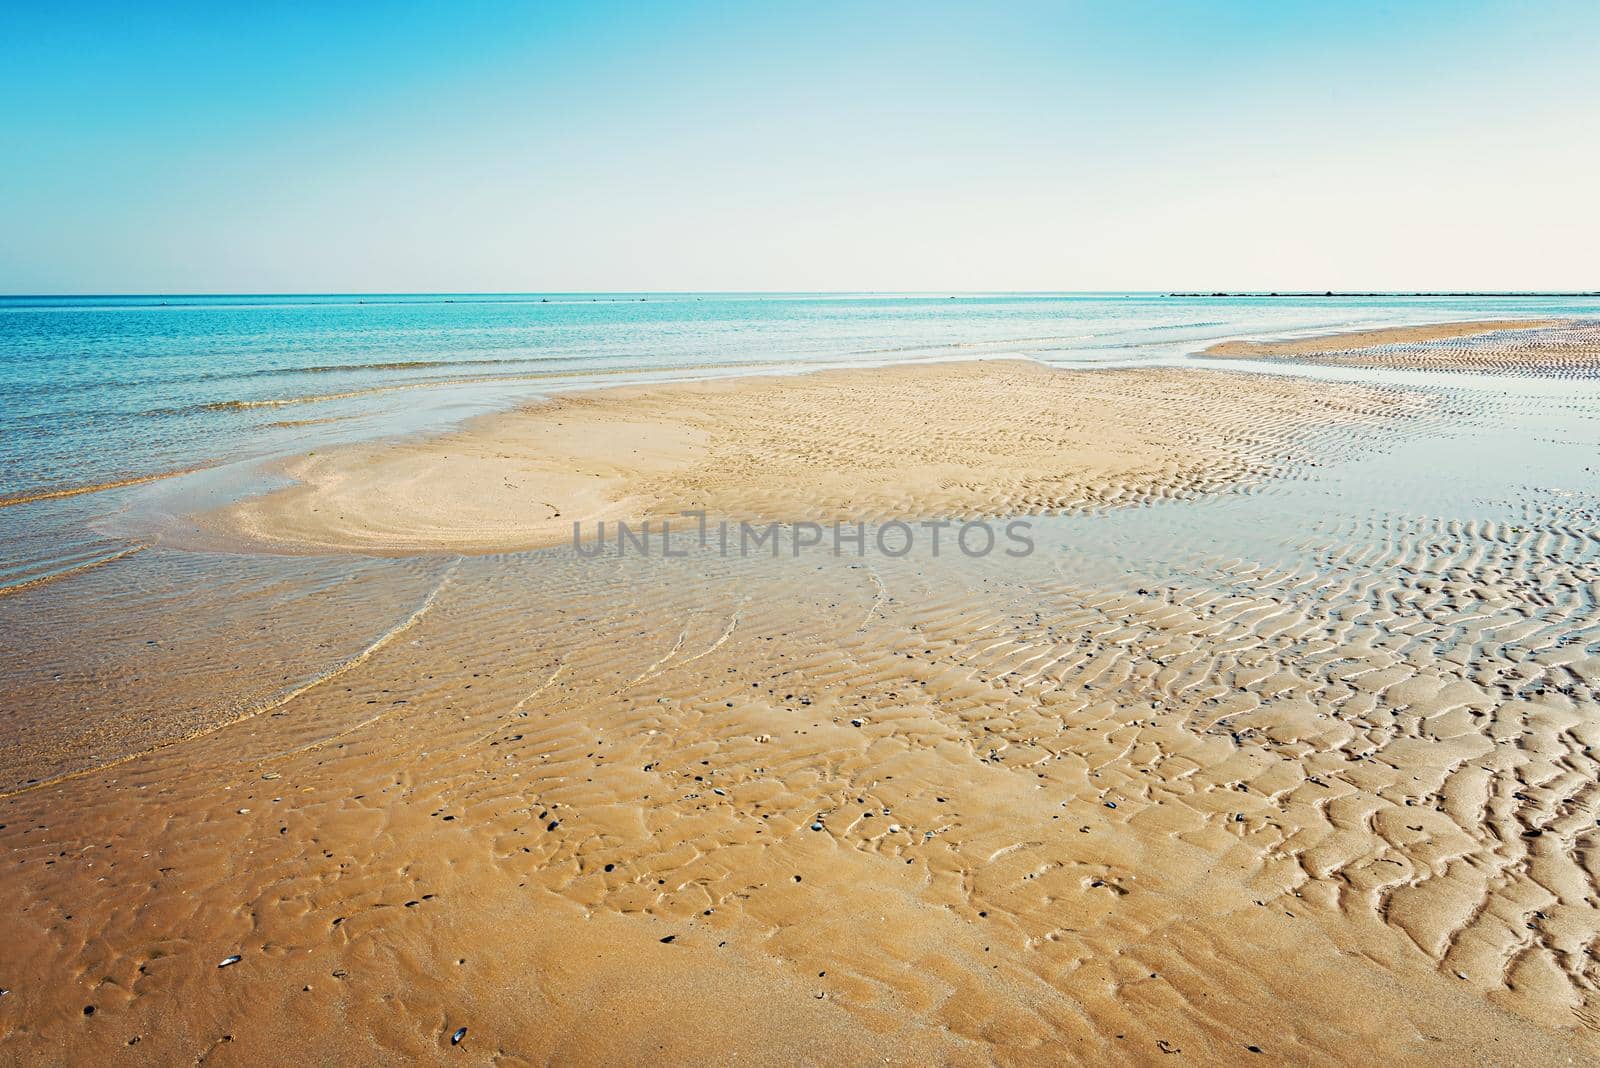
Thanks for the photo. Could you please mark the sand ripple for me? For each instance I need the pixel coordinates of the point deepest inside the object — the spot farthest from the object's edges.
(1545, 348)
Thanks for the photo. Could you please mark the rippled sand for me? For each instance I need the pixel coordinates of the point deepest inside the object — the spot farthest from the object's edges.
(1294, 755)
(1553, 348)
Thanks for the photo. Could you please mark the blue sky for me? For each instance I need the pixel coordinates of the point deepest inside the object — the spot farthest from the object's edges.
(479, 146)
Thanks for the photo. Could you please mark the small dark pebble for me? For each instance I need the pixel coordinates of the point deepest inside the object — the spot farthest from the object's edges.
(455, 1039)
(1253, 1049)
(88, 1010)
(669, 938)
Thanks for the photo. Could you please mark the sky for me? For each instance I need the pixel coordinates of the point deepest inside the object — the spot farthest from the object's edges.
(487, 147)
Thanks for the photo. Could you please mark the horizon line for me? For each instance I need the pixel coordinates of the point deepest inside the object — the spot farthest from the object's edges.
(1162, 292)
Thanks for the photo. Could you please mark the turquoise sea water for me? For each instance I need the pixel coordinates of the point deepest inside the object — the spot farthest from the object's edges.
(102, 390)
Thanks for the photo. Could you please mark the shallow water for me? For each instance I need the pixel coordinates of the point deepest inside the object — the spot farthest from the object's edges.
(95, 601)
(133, 644)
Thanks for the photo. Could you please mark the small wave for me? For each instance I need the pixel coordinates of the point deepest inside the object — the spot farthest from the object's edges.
(68, 572)
(405, 365)
(241, 714)
(186, 376)
(933, 346)
(318, 398)
(276, 402)
(377, 365)
(465, 380)
(75, 491)
(287, 424)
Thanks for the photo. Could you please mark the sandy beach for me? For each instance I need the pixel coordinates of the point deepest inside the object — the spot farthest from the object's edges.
(951, 440)
(1184, 785)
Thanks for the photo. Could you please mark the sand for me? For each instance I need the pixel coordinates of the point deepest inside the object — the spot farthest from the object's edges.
(993, 438)
(1561, 348)
(1179, 790)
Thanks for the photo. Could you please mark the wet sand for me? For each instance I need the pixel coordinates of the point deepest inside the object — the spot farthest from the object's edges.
(1545, 347)
(1248, 769)
(994, 438)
